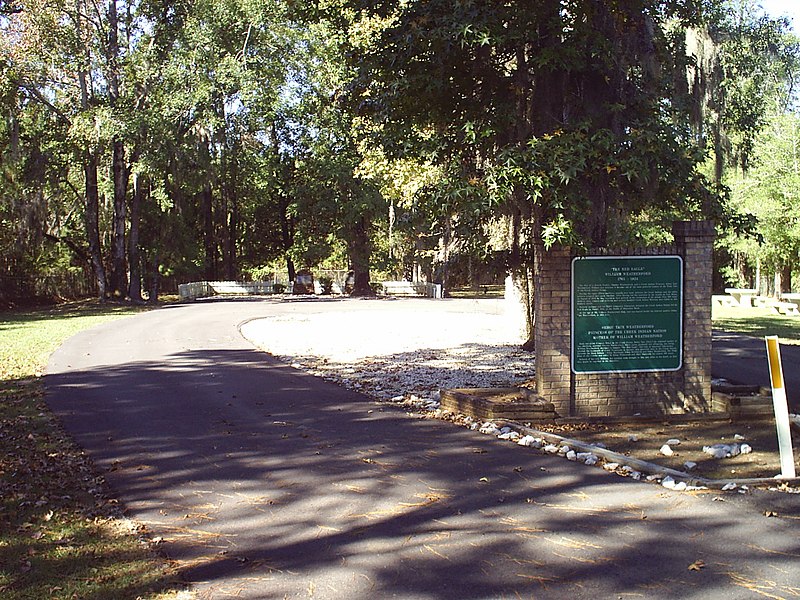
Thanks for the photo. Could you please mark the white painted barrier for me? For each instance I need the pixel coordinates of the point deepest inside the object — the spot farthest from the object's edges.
(203, 289)
(192, 291)
(411, 288)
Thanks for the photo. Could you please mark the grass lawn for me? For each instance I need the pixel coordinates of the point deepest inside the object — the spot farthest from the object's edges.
(60, 535)
(757, 322)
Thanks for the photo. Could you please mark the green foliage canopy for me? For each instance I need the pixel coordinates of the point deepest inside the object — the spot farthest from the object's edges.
(561, 110)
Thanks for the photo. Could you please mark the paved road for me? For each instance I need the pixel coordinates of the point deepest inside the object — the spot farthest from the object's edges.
(742, 359)
(266, 482)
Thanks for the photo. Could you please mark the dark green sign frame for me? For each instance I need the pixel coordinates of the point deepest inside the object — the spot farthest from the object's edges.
(627, 314)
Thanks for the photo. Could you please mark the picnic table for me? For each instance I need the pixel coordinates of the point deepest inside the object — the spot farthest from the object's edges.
(777, 305)
(793, 298)
(744, 297)
(794, 301)
(724, 300)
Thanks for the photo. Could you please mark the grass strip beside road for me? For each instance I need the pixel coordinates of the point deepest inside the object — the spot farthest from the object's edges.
(61, 536)
(757, 322)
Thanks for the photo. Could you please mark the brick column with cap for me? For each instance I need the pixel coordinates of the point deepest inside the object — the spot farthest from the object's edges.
(552, 327)
(687, 390)
(695, 242)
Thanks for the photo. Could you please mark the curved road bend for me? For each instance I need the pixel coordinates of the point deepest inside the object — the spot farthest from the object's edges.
(266, 482)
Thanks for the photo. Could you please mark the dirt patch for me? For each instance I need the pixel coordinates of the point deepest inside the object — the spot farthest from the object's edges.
(645, 440)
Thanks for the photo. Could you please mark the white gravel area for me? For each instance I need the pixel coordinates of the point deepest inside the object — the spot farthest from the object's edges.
(406, 349)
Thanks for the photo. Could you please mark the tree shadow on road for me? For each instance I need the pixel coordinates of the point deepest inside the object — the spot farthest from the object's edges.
(266, 482)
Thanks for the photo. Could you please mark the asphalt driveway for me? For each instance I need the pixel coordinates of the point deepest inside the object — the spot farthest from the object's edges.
(266, 482)
(743, 359)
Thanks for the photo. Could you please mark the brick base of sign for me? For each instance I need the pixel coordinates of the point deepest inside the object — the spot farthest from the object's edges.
(687, 390)
(513, 404)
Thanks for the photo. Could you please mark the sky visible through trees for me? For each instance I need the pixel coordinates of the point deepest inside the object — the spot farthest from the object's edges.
(781, 8)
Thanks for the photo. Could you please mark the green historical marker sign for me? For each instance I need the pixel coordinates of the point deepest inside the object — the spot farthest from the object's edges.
(627, 314)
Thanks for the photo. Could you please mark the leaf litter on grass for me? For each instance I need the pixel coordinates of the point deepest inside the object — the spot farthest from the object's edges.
(62, 535)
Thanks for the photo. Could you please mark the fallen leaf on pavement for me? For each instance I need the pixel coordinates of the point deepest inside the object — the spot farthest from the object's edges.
(697, 565)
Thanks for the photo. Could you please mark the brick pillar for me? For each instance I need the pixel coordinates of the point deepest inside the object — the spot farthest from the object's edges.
(695, 242)
(552, 330)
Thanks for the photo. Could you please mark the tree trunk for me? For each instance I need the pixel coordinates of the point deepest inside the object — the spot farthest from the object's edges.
(119, 170)
(390, 236)
(119, 267)
(719, 152)
(358, 248)
(541, 109)
(286, 221)
(291, 271)
(154, 282)
(416, 263)
(233, 226)
(786, 279)
(92, 192)
(287, 235)
(472, 277)
(135, 286)
(446, 240)
(209, 239)
(521, 275)
(112, 53)
(231, 208)
(92, 219)
(224, 233)
(527, 290)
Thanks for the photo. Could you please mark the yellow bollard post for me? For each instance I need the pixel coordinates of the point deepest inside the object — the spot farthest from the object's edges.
(781, 407)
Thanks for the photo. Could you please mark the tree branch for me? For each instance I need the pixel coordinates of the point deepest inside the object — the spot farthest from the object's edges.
(31, 89)
(72, 245)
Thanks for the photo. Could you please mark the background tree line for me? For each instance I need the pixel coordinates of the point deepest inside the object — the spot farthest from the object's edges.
(144, 143)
